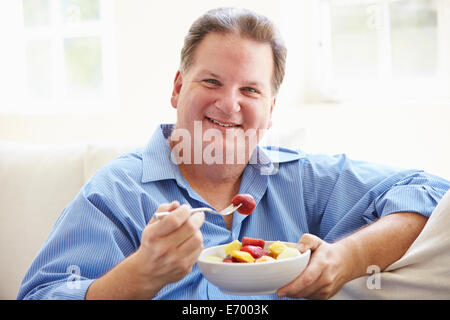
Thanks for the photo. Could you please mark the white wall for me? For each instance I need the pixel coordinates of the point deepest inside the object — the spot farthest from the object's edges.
(402, 135)
(149, 36)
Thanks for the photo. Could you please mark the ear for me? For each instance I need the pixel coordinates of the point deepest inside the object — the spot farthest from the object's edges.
(271, 110)
(177, 83)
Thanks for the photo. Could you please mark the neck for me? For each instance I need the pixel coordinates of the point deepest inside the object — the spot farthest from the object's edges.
(212, 174)
(216, 186)
(216, 183)
(206, 173)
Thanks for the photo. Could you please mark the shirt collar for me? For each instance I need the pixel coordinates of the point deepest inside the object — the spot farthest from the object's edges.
(158, 165)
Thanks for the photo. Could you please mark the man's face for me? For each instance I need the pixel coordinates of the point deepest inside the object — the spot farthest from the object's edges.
(227, 88)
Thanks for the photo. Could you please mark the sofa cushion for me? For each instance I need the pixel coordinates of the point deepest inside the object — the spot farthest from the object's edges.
(37, 182)
(98, 155)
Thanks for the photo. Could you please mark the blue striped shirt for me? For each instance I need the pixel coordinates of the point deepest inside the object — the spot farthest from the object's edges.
(295, 193)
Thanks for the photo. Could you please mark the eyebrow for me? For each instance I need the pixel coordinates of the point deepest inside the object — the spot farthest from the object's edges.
(209, 73)
(212, 74)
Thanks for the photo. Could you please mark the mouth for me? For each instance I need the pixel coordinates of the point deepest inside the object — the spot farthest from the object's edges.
(223, 123)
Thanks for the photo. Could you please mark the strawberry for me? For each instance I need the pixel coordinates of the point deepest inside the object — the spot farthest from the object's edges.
(253, 242)
(228, 259)
(255, 251)
(248, 203)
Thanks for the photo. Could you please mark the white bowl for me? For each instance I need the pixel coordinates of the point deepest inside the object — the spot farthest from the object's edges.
(251, 278)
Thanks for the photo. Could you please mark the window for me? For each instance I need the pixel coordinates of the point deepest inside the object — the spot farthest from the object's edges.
(380, 49)
(61, 56)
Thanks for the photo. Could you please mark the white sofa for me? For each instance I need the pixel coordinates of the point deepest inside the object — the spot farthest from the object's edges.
(38, 181)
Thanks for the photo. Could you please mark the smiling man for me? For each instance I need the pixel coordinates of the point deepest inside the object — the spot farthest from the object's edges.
(224, 90)
(351, 214)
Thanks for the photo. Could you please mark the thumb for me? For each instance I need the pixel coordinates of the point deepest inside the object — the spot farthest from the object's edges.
(309, 241)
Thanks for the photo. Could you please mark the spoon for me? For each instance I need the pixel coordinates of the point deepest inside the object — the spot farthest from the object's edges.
(228, 210)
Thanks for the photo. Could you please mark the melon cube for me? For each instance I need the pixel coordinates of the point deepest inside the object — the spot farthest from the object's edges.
(235, 245)
(276, 248)
(242, 256)
(213, 259)
(288, 253)
(264, 259)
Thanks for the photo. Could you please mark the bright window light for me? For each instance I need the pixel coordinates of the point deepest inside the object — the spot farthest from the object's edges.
(384, 49)
(61, 57)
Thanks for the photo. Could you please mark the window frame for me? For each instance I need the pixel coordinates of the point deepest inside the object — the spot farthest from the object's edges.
(57, 32)
(437, 87)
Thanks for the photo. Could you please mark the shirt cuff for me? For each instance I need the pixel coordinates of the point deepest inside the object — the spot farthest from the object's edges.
(409, 198)
(67, 290)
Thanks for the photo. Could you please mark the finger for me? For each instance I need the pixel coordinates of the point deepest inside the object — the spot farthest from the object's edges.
(311, 286)
(309, 241)
(185, 256)
(306, 283)
(171, 222)
(192, 246)
(165, 207)
(321, 293)
(186, 230)
(168, 206)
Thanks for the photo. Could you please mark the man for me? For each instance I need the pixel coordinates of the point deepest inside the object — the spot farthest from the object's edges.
(350, 214)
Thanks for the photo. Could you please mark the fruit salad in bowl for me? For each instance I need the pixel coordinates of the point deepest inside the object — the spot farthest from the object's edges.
(252, 266)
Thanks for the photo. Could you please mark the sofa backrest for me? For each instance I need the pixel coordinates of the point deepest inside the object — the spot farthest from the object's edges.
(37, 182)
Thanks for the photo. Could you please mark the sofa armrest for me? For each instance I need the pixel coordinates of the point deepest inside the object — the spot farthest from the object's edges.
(422, 273)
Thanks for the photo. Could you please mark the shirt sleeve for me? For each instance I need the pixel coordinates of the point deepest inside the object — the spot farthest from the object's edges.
(342, 195)
(96, 231)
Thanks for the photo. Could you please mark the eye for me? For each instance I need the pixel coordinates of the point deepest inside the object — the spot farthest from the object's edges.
(250, 90)
(212, 82)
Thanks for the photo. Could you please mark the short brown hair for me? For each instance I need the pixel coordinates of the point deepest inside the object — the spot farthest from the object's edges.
(247, 24)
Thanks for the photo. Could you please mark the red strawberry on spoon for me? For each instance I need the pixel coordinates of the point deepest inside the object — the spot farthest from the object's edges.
(242, 203)
(246, 201)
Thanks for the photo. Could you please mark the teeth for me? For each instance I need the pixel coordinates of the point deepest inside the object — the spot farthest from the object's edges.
(221, 124)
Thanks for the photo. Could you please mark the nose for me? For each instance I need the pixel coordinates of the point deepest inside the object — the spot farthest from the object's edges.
(228, 102)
